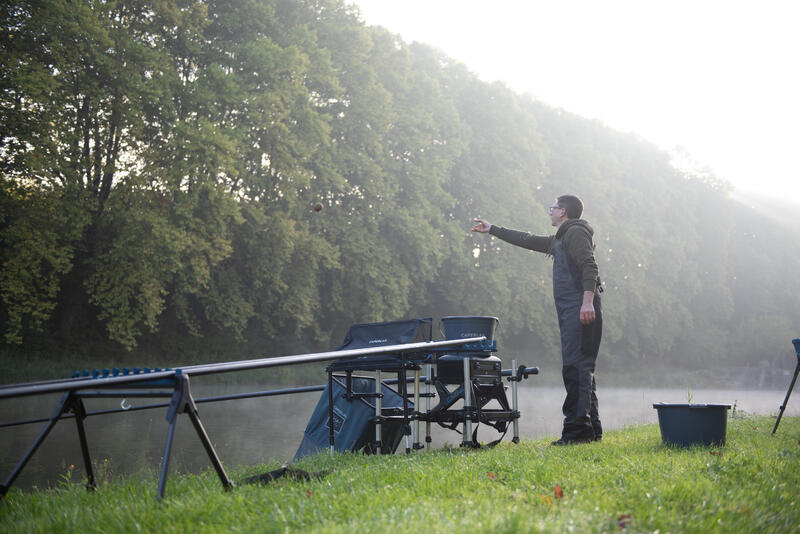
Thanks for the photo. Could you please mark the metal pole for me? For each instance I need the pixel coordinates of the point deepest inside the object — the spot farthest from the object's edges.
(403, 348)
(467, 404)
(199, 400)
(72, 384)
(403, 388)
(378, 412)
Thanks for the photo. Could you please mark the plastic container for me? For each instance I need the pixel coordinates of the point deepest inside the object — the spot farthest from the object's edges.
(462, 326)
(693, 424)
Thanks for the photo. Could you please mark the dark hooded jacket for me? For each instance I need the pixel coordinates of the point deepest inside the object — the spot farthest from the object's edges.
(575, 235)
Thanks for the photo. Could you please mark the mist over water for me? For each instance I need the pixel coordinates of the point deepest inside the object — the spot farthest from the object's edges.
(252, 431)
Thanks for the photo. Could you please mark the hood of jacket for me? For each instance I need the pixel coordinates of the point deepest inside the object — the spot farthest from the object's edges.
(570, 223)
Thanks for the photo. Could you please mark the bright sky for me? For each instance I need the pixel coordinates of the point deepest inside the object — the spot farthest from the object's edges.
(721, 79)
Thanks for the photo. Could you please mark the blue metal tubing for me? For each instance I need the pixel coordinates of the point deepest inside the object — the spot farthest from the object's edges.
(71, 384)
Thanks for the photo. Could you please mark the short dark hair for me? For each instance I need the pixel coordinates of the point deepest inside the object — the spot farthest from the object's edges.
(572, 205)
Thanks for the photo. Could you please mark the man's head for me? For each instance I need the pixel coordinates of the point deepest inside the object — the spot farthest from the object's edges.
(565, 207)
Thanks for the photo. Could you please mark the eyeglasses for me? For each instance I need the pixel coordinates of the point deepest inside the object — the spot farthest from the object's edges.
(551, 208)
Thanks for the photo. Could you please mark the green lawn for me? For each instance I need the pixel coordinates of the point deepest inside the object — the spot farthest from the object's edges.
(629, 482)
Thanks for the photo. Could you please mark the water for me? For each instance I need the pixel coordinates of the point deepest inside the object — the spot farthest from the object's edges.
(253, 431)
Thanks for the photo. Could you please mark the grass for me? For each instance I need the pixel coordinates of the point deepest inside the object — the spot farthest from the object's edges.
(628, 482)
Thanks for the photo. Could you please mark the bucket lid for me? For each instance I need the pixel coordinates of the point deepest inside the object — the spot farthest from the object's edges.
(686, 405)
(447, 317)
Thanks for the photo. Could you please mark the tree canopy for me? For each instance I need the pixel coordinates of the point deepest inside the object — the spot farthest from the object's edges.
(160, 161)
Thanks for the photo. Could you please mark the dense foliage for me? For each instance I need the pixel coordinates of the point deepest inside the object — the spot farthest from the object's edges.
(160, 161)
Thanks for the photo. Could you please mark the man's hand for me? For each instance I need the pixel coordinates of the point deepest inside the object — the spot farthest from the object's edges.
(483, 226)
(587, 308)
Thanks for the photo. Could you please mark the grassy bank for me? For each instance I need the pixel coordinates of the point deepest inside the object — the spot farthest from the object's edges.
(629, 482)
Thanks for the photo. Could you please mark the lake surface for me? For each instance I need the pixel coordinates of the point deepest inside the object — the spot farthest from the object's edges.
(252, 431)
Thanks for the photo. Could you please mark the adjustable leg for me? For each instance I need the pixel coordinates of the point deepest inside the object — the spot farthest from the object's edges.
(467, 438)
(515, 399)
(80, 414)
(416, 444)
(212, 454)
(401, 378)
(60, 409)
(348, 385)
(331, 437)
(428, 380)
(378, 412)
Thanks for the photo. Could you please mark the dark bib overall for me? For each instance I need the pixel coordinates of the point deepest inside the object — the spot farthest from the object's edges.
(579, 347)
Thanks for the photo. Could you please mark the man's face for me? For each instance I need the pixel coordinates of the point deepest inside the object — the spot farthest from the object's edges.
(557, 214)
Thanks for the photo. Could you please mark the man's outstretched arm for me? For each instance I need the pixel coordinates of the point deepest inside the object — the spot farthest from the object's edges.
(537, 243)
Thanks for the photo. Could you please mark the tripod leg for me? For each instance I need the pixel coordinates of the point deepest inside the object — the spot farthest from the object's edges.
(212, 454)
(62, 406)
(80, 414)
(162, 479)
(786, 400)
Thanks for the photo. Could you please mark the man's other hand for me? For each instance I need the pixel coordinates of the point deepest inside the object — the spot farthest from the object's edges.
(587, 308)
(587, 314)
(483, 226)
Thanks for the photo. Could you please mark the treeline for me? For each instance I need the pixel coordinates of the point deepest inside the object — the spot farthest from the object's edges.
(160, 164)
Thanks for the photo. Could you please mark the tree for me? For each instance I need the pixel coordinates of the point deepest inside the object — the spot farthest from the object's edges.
(155, 122)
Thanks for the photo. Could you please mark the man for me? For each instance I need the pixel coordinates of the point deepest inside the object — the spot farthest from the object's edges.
(576, 291)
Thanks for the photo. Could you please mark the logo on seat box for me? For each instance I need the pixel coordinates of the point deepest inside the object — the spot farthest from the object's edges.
(339, 417)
